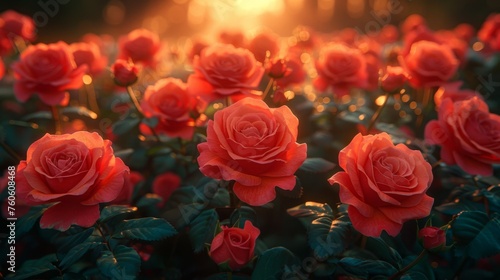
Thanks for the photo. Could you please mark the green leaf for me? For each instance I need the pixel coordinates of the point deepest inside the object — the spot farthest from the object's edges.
(202, 229)
(366, 269)
(68, 239)
(79, 110)
(115, 210)
(151, 122)
(38, 115)
(242, 214)
(76, 253)
(271, 264)
(148, 200)
(383, 251)
(311, 209)
(163, 163)
(121, 127)
(227, 276)
(26, 222)
(148, 229)
(328, 237)
(123, 263)
(414, 275)
(317, 165)
(36, 267)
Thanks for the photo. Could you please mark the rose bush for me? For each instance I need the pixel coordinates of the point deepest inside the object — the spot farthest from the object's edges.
(433, 238)
(384, 185)
(73, 172)
(255, 146)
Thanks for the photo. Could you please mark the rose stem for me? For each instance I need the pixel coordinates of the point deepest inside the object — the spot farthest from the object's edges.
(10, 151)
(437, 163)
(268, 88)
(409, 266)
(94, 106)
(227, 102)
(425, 104)
(364, 239)
(377, 113)
(57, 119)
(137, 106)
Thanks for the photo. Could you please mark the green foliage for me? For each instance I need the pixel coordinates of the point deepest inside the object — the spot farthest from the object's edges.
(148, 229)
(203, 229)
(272, 263)
(33, 268)
(123, 263)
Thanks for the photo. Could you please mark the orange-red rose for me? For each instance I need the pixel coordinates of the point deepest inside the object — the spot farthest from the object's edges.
(254, 145)
(469, 135)
(454, 92)
(165, 184)
(340, 67)
(383, 184)
(393, 79)
(140, 45)
(490, 32)
(234, 245)
(49, 71)
(225, 71)
(429, 64)
(124, 72)
(432, 238)
(169, 101)
(14, 24)
(73, 172)
(89, 54)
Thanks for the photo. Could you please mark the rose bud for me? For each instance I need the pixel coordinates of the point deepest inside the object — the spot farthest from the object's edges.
(394, 78)
(432, 238)
(234, 245)
(277, 68)
(125, 73)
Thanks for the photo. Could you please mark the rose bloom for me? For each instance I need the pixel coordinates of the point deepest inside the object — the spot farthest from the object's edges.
(2, 69)
(234, 245)
(89, 54)
(465, 32)
(393, 79)
(254, 145)
(469, 135)
(388, 35)
(140, 45)
(433, 238)
(454, 92)
(131, 180)
(14, 23)
(225, 71)
(49, 71)
(232, 37)
(383, 184)
(125, 73)
(342, 68)
(75, 172)
(429, 64)
(265, 41)
(195, 48)
(169, 101)
(490, 32)
(296, 74)
(417, 35)
(413, 22)
(165, 184)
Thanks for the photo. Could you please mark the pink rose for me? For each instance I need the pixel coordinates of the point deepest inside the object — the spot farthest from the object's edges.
(165, 184)
(75, 172)
(429, 64)
(234, 245)
(225, 71)
(454, 92)
(131, 180)
(262, 43)
(89, 54)
(49, 71)
(140, 45)
(124, 72)
(169, 101)
(254, 145)
(342, 68)
(383, 184)
(490, 32)
(15, 24)
(433, 238)
(469, 135)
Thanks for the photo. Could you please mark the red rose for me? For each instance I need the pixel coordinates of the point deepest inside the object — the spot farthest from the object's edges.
(413, 22)
(468, 134)
(389, 34)
(140, 45)
(340, 67)
(89, 54)
(429, 64)
(222, 71)
(195, 48)
(76, 172)
(277, 68)
(465, 32)
(125, 73)
(165, 184)
(254, 145)
(131, 180)
(2, 69)
(169, 101)
(234, 245)
(233, 37)
(383, 184)
(417, 35)
(15, 24)
(393, 79)
(453, 92)
(49, 71)
(297, 74)
(262, 43)
(433, 238)
(490, 32)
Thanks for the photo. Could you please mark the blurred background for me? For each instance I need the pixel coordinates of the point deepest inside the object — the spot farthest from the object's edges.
(70, 19)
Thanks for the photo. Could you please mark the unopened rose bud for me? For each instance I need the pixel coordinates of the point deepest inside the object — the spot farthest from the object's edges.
(432, 238)
(394, 79)
(125, 73)
(277, 68)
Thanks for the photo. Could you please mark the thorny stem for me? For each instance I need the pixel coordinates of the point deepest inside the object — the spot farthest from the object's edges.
(377, 113)
(57, 119)
(425, 106)
(398, 274)
(268, 88)
(134, 100)
(91, 95)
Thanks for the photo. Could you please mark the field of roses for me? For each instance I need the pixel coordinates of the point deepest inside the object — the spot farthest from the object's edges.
(250, 155)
